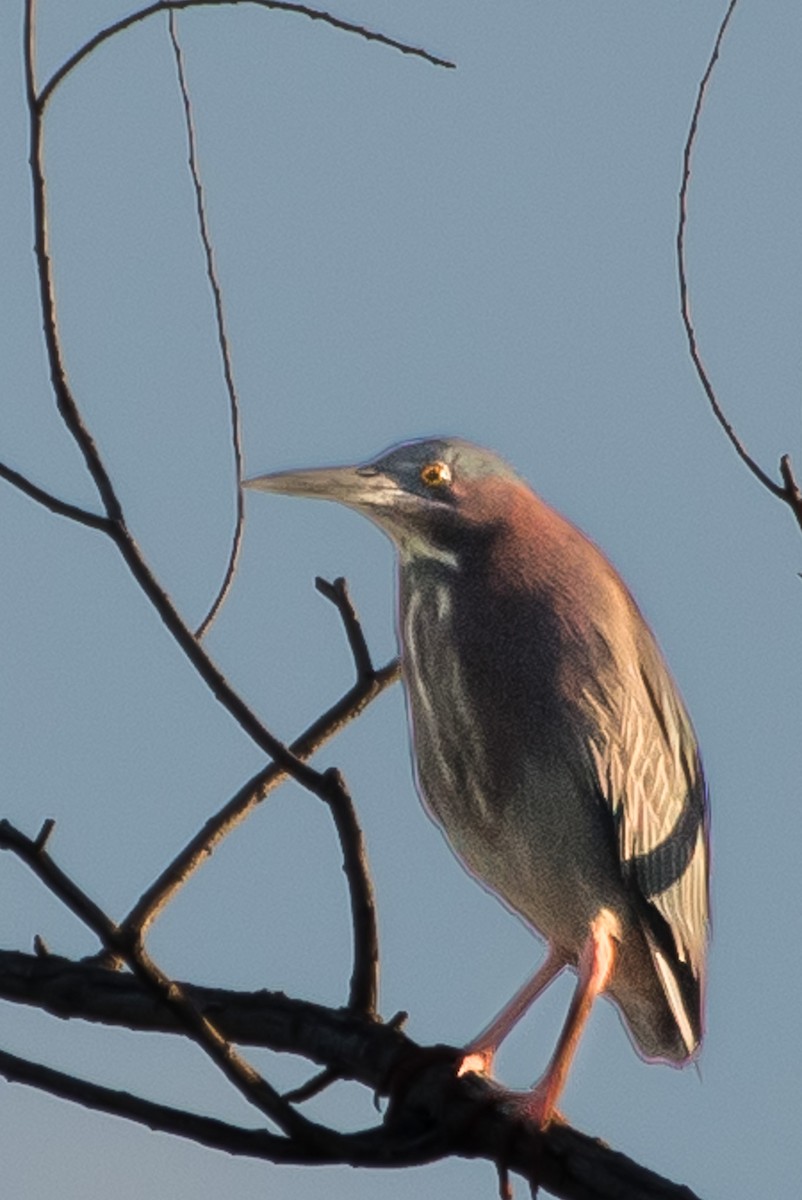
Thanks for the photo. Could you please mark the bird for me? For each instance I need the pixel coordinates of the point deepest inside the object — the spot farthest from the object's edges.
(550, 742)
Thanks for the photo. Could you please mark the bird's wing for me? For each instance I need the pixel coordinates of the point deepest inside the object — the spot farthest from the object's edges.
(649, 772)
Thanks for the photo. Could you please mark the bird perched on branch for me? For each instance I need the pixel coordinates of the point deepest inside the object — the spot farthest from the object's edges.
(551, 744)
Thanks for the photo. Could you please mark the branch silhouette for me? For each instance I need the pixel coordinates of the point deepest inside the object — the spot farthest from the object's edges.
(162, 6)
(222, 335)
(439, 1115)
(368, 685)
(788, 490)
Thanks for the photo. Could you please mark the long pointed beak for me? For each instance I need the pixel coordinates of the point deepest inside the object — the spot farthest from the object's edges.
(358, 487)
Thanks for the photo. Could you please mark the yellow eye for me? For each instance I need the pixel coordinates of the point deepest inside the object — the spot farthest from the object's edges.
(435, 474)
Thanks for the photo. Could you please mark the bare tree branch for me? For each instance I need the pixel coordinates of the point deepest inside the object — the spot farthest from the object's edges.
(126, 941)
(337, 593)
(793, 493)
(222, 336)
(209, 671)
(354, 1045)
(117, 527)
(65, 402)
(204, 1032)
(202, 845)
(206, 1131)
(71, 415)
(313, 1086)
(370, 683)
(788, 491)
(364, 991)
(363, 996)
(314, 14)
(61, 507)
(438, 1115)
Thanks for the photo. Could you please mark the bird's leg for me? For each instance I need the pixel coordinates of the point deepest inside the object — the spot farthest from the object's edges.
(480, 1052)
(595, 967)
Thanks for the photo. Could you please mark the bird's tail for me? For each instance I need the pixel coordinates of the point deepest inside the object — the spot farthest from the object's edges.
(676, 997)
(659, 998)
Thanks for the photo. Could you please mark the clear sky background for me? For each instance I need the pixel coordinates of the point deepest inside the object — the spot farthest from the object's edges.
(403, 250)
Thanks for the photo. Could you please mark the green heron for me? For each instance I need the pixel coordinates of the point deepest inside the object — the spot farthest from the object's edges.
(551, 743)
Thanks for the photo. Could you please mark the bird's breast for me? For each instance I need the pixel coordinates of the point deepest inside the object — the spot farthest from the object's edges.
(489, 765)
(449, 747)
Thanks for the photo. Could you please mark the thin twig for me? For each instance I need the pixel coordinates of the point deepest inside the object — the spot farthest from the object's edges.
(236, 1069)
(364, 990)
(200, 847)
(793, 493)
(303, 10)
(208, 669)
(338, 594)
(206, 1131)
(65, 401)
(222, 336)
(685, 302)
(789, 493)
(60, 507)
(313, 1087)
(44, 834)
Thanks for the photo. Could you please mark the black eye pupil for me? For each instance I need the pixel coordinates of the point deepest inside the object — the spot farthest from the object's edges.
(434, 474)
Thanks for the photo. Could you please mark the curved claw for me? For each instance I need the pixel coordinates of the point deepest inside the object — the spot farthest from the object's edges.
(536, 1107)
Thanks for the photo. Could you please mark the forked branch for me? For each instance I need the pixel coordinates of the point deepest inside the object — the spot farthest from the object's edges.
(437, 1114)
(115, 525)
(369, 684)
(162, 6)
(132, 952)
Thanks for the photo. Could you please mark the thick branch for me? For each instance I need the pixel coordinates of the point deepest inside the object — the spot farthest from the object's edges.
(439, 1114)
(358, 1047)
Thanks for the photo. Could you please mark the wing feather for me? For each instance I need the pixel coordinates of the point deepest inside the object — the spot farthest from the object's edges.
(649, 773)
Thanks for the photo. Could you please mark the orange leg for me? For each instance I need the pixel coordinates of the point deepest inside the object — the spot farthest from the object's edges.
(480, 1052)
(595, 967)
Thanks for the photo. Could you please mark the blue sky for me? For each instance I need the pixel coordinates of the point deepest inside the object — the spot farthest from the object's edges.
(403, 250)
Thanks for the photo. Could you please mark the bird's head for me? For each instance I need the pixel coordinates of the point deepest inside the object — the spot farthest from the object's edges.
(427, 495)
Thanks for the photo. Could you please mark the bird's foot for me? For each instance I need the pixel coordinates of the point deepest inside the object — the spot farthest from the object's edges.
(536, 1107)
(478, 1060)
